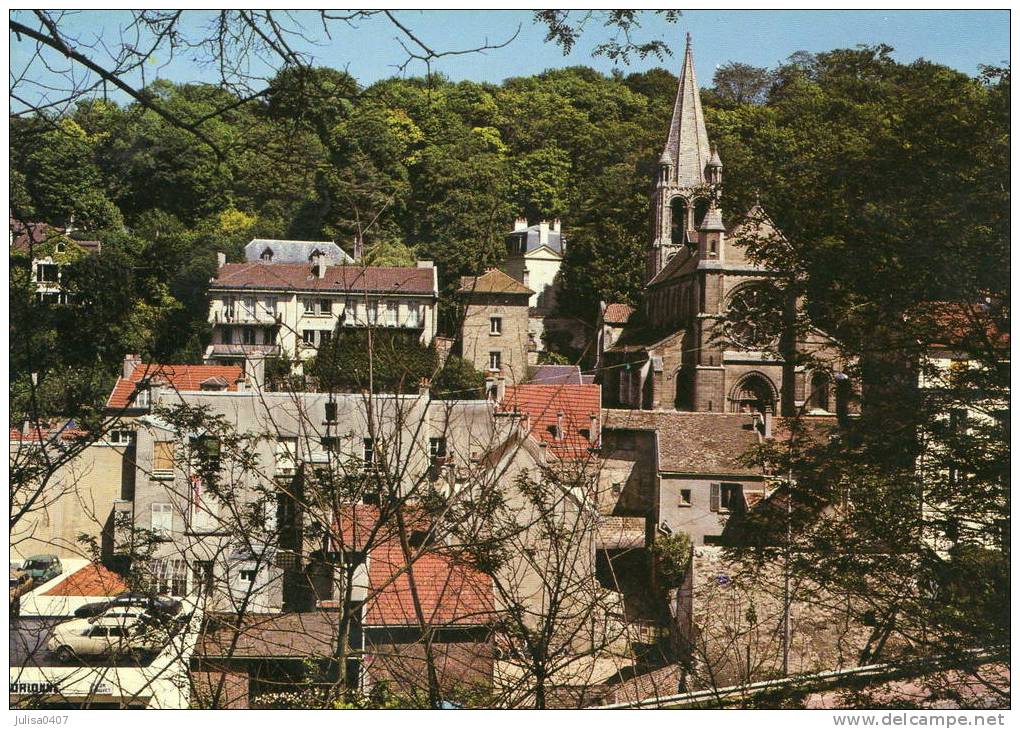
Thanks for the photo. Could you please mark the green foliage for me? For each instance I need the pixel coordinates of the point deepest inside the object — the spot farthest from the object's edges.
(673, 557)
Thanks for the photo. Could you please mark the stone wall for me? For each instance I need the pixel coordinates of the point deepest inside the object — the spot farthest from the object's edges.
(512, 342)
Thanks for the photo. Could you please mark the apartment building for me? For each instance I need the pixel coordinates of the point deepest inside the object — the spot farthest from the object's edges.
(265, 308)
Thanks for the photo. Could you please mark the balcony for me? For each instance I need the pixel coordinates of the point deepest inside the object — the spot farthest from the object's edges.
(241, 316)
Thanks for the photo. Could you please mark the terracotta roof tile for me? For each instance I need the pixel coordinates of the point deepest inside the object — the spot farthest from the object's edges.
(179, 377)
(92, 580)
(450, 593)
(301, 277)
(617, 313)
(543, 403)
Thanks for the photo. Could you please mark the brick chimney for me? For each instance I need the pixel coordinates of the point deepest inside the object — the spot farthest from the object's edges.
(559, 426)
(130, 362)
(520, 224)
(556, 225)
(594, 430)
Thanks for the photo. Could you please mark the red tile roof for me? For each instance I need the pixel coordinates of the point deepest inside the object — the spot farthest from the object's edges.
(617, 313)
(37, 432)
(450, 592)
(543, 404)
(301, 277)
(178, 377)
(26, 235)
(92, 580)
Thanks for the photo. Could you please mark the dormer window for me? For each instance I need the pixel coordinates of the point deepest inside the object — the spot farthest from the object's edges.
(267, 255)
(315, 255)
(213, 384)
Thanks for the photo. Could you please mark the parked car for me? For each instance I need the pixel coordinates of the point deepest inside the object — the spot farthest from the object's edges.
(102, 636)
(159, 605)
(21, 582)
(42, 567)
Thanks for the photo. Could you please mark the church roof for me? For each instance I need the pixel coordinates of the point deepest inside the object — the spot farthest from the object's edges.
(687, 144)
(493, 281)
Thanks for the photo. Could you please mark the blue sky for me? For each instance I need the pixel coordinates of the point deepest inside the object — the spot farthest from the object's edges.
(961, 39)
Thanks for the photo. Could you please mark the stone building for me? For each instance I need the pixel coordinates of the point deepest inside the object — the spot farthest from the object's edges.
(494, 330)
(681, 349)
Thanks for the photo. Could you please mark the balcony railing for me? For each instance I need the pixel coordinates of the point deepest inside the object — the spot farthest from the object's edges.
(226, 316)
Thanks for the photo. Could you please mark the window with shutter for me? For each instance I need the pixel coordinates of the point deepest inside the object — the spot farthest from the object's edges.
(714, 498)
(163, 459)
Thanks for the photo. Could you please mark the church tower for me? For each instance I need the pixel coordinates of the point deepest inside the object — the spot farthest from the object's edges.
(689, 177)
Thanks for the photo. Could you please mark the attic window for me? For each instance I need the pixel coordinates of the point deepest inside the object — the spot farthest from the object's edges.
(315, 254)
(215, 384)
(267, 254)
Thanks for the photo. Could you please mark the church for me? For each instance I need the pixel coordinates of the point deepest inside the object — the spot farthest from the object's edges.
(679, 349)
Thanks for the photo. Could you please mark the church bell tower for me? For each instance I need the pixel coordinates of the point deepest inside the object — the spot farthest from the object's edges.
(689, 177)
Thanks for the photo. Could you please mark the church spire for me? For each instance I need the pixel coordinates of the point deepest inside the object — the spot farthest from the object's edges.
(687, 145)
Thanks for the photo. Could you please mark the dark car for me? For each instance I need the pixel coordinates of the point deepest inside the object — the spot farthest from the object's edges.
(158, 605)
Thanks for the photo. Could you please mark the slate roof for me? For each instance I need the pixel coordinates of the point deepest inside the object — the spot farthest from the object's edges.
(557, 375)
(177, 377)
(554, 240)
(301, 277)
(709, 443)
(493, 281)
(542, 403)
(617, 313)
(294, 251)
(449, 592)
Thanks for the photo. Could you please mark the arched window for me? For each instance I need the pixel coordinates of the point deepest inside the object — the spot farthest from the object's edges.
(753, 394)
(818, 398)
(678, 216)
(700, 210)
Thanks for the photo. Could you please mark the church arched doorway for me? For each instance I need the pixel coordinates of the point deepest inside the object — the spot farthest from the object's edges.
(754, 393)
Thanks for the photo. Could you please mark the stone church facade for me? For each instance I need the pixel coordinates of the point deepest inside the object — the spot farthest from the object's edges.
(678, 351)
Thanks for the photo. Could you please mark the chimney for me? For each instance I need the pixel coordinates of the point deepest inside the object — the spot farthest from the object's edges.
(525, 423)
(500, 388)
(359, 248)
(319, 267)
(424, 385)
(543, 233)
(559, 425)
(594, 430)
(130, 362)
(520, 224)
(221, 260)
(556, 225)
(424, 264)
(490, 387)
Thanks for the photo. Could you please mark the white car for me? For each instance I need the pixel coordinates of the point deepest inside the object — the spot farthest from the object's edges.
(121, 634)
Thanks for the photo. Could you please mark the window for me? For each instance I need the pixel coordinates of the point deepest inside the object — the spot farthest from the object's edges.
(392, 309)
(248, 336)
(437, 448)
(494, 360)
(202, 576)
(349, 315)
(685, 497)
(163, 459)
(248, 575)
(99, 632)
(228, 308)
(205, 450)
(369, 455)
(286, 455)
(121, 437)
(162, 523)
(325, 307)
(47, 272)
(495, 325)
(414, 318)
(325, 336)
(330, 444)
(269, 305)
(170, 576)
(373, 314)
(819, 395)
(727, 497)
(331, 411)
(308, 337)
